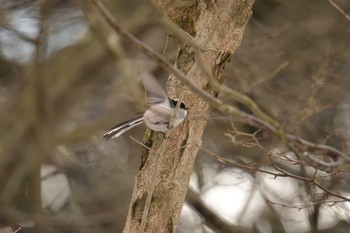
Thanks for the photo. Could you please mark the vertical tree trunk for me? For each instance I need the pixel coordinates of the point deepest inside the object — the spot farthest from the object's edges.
(217, 27)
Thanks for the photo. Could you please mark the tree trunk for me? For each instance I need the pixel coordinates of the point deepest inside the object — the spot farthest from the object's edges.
(217, 27)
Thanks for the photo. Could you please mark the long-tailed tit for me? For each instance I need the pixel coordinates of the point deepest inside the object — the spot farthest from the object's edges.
(157, 117)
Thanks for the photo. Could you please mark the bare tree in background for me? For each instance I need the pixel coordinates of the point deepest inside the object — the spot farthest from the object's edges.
(272, 158)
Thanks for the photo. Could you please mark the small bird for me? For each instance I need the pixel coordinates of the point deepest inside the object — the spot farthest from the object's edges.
(157, 117)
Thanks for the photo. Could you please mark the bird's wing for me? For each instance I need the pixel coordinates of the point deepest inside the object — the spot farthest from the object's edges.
(154, 92)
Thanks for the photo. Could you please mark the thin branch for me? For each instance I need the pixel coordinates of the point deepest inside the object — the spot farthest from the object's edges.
(280, 173)
(339, 9)
(304, 206)
(211, 219)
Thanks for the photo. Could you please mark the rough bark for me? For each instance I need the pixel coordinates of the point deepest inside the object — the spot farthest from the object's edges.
(218, 30)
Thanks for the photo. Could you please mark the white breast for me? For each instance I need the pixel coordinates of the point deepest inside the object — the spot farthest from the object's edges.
(157, 117)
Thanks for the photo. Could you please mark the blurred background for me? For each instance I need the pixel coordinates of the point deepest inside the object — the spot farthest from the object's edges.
(66, 77)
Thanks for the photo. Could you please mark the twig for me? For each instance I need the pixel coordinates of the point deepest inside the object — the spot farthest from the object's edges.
(280, 173)
(211, 219)
(339, 9)
(16, 231)
(304, 206)
(140, 143)
(271, 76)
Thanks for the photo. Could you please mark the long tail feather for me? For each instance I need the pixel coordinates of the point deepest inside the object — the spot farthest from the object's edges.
(119, 129)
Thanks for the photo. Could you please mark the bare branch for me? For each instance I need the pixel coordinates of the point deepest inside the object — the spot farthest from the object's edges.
(211, 219)
(339, 9)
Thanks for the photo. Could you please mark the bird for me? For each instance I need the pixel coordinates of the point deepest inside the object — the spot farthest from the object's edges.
(159, 114)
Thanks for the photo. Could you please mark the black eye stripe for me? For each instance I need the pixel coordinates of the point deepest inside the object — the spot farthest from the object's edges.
(173, 103)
